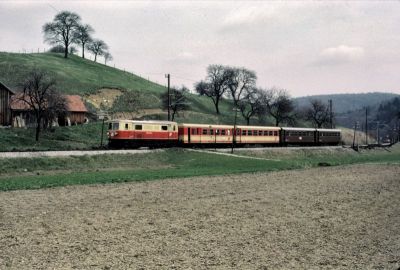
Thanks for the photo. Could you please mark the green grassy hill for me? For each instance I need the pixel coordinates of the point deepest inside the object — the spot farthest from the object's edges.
(84, 77)
(73, 75)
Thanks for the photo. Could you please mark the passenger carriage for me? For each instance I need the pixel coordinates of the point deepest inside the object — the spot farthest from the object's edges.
(298, 136)
(328, 136)
(130, 133)
(201, 134)
(257, 135)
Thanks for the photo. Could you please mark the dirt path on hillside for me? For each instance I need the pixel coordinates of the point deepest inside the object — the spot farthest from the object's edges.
(340, 218)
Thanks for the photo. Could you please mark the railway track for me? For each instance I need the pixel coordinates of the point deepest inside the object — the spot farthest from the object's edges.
(33, 154)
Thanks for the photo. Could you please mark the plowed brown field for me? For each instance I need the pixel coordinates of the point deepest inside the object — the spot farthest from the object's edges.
(340, 217)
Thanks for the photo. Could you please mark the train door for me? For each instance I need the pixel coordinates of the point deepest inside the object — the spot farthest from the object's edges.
(189, 132)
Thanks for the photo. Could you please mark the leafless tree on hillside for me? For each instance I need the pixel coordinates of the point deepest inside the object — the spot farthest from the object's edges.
(318, 113)
(251, 104)
(97, 47)
(279, 105)
(40, 96)
(241, 82)
(178, 99)
(107, 57)
(215, 85)
(82, 36)
(62, 30)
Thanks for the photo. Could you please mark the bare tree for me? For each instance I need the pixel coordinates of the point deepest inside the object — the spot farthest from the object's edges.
(178, 100)
(56, 108)
(215, 85)
(82, 36)
(317, 113)
(41, 97)
(107, 57)
(97, 47)
(251, 105)
(62, 30)
(279, 105)
(241, 82)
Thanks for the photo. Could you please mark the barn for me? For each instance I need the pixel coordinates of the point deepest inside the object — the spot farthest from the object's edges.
(22, 115)
(76, 110)
(5, 97)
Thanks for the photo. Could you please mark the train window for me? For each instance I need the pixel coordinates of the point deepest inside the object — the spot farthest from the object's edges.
(211, 132)
(138, 127)
(244, 132)
(265, 132)
(217, 131)
(205, 132)
(126, 126)
(109, 126)
(115, 126)
(275, 133)
(250, 133)
(271, 133)
(164, 127)
(223, 132)
(238, 132)
(260, 133)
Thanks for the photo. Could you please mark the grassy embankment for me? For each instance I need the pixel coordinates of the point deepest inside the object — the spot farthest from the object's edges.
(33, 173)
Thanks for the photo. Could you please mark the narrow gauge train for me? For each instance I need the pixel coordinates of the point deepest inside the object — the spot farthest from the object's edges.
(134, 134)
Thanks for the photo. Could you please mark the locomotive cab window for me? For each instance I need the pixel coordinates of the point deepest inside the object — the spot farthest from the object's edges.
(113, 126)
(138, 127)
(164, 127)
(126, 126)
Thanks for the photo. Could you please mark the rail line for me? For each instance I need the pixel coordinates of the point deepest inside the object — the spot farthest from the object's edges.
(32, 154)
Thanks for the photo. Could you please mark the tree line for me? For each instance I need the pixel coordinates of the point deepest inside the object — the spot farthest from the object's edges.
(67, 29)
(240, 86)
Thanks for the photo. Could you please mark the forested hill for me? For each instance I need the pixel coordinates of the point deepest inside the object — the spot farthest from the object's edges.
(349, 102)
(73, 75)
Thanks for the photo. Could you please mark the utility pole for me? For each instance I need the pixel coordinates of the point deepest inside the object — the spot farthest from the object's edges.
(169, 96)
(377, 132)
(366, 125)
(330, 113)
(354, 136)
(234, 131)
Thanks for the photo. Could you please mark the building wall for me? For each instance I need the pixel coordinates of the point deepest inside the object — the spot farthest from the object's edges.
(5, 113)
(77, 117)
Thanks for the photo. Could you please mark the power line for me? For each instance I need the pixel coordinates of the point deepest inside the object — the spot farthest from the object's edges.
(53, 7)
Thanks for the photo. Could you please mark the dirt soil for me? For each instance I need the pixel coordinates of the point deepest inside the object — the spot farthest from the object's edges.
(108, 94)
(326, 218)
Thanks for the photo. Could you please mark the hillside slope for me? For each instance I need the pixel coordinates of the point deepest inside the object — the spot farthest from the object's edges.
(73, 75)
(349, 102)
(87, 78)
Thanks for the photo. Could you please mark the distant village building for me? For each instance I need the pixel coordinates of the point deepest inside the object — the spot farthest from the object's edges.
(23, 116)
(5, 98)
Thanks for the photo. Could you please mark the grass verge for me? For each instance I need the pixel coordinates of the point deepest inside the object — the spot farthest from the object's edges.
(29, 173)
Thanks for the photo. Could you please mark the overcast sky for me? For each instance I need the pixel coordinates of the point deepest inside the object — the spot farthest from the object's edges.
(305, 47)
